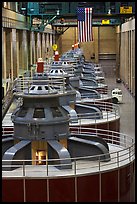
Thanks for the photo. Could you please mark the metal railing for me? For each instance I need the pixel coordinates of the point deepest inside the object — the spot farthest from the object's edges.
(23, 84)
(109, 111)
(122, 154)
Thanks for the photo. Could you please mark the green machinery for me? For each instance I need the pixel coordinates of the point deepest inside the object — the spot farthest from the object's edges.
(62, 14)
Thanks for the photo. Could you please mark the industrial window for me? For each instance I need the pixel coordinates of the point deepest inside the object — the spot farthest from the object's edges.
(39, 113)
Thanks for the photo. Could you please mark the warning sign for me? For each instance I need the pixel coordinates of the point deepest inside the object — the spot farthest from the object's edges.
(54, 46)
(105, 21)
(126, 9)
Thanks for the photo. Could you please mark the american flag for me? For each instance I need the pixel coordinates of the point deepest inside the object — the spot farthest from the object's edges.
(84, 24)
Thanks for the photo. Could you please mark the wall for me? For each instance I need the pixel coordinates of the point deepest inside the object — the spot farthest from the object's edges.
(21, 47)
(104, 42)
(107, 40)
(127, 57)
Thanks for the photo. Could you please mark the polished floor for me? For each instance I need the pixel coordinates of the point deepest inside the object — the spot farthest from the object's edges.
(127, 108)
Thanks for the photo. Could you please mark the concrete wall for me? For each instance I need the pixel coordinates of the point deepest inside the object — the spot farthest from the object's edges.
(104, 42)
(127, 57)
(21, 47)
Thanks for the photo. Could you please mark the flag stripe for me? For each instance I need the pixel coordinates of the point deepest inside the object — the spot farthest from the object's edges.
(85, 24)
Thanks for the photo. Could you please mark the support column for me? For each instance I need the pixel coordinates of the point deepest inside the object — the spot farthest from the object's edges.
(16, 5)
(96, 43)
(47, 47)
(50, 43)
(43, 46)
(8, 53)
(31, 59)
(25, 51)
(50, 37)
(33, 48)
(131, 63)
(32, 51)
(13, 54)
(4, 67)
(17, 51)
(53, 37)
(38, 46)
(20, 36)
(35, 39)
(4, 64)
(47, 40)
(118, 40)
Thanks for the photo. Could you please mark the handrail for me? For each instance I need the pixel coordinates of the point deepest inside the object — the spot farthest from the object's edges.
(124, 153)
(109, 111)
(24, 83)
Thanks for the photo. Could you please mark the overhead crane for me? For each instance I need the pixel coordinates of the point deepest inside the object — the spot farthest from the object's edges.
(64, 14)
